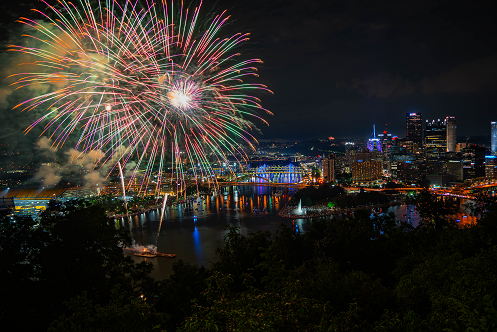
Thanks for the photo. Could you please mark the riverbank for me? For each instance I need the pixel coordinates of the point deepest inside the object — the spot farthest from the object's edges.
(174, 204)
(319, 210)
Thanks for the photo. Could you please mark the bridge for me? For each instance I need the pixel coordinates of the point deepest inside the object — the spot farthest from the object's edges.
(471, 188)
(262, 184)
(290, 169)
(271, 176)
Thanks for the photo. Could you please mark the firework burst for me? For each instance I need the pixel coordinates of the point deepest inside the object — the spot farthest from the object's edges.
(139, 81)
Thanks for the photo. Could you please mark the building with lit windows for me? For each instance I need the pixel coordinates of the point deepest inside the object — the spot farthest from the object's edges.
(328, 167)
(436, 139)
(491, 167)
(451, 131)
(374, 143)
(366, 166)
(414, 127)
(473, 158)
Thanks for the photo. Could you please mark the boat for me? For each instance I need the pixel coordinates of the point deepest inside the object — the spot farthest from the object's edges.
(161, 254)
(145, 254)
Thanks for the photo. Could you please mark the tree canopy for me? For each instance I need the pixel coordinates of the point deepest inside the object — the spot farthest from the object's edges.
(366, 273)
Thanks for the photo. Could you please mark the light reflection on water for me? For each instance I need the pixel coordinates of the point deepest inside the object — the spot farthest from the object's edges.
(193, 231)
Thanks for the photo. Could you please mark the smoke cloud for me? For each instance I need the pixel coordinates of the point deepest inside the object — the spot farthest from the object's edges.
(79, 168)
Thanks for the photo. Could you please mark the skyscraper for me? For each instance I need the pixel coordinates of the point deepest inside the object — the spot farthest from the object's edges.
(414, 127)
(493, 125)
(451, 133)
(373, 142)
(328, 165)
(436, 139)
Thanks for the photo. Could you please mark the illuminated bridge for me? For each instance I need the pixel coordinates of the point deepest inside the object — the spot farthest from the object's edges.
(472, 187)
(272, 175)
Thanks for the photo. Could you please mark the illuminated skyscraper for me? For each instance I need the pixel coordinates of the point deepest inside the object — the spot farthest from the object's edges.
(493, 125)
(435, 139)
(328, 165)
(451, 133)
(414, 127)
(374, 143)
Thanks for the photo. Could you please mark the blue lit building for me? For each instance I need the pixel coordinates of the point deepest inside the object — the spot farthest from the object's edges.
(374, 143)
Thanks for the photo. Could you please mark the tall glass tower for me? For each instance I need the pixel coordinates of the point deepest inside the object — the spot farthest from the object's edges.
(493, 125)
(451, 133)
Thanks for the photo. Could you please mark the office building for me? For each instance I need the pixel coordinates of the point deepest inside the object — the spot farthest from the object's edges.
(406, 171)
(491, 167)
(328, 167)
(455, 168)
(414, 127)
(435, 139)
(386, 142)
(366, 166)
(473, 158)
(451, 131)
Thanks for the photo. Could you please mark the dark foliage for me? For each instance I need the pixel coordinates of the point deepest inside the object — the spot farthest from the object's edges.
(74, 248)
(367, 273)
(361, 199)
(312, 194)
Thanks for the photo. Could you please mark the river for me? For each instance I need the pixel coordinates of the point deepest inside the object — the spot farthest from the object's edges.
(194, 231)
(194, 234)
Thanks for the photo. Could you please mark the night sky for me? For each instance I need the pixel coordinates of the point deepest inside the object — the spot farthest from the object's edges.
(338, 67)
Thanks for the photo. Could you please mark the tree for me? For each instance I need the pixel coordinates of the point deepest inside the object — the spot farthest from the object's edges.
(253, 309)
(445, 283)
(74, 248)
(175, 294)
(122, 313)
(436, 211)
(241, 254)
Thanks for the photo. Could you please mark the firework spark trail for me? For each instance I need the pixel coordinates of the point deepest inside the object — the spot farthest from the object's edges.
(142, 76)
(163, 211)
(124, 187)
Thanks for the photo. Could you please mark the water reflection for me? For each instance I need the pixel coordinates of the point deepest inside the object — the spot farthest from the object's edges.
(193, 230)
(197, 244)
